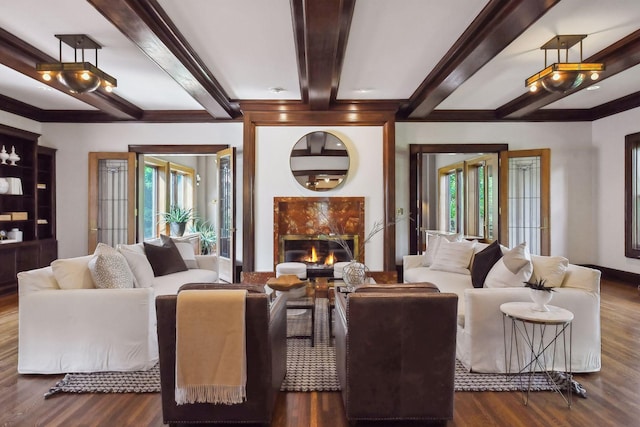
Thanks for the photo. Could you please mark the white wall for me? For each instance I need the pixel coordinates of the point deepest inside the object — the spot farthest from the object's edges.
(75, 141)
(587, 185)
(572, 178)
(274, 179)
(608, 140)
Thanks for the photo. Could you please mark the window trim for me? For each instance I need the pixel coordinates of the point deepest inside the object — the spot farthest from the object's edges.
(632, 145)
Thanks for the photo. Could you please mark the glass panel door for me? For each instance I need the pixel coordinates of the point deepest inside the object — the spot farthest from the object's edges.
(226, 214)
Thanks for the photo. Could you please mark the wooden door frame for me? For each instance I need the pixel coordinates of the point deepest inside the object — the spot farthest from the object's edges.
(383, 117)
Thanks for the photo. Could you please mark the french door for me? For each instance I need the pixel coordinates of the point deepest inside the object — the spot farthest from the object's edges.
(525, 186)
(226, 214)
(112, 180)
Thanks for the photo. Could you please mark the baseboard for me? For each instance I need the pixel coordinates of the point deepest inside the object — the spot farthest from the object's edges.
(618, 275)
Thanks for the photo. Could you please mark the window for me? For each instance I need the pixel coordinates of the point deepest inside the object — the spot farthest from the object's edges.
(159, 197)
(452, 197)
(632, 196)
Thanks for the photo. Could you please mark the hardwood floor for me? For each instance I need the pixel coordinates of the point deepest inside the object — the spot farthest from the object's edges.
(612, 393)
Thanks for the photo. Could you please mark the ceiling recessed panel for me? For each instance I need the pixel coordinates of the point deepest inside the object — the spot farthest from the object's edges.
(502, 79)
(247, 45)
(140, 81)
(394, 45)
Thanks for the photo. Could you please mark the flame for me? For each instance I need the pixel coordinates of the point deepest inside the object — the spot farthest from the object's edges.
(313, 257)
(330, 259)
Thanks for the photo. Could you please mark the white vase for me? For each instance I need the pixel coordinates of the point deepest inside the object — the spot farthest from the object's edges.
(354, 274)
(13, 157)
(541, 299)
(3, 156)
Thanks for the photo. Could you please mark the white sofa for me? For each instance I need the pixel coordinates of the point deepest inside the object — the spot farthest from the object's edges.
(480, 335)
(84, 329)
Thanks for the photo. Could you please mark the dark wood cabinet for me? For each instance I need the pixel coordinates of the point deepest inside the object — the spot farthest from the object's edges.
(27, 203)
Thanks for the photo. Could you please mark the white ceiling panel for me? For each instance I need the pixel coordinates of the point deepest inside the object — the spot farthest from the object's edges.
(248, 45)
(502, 79)
(394, 45)
(140, 81)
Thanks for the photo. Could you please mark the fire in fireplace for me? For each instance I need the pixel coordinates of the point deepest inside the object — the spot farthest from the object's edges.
(315, 251)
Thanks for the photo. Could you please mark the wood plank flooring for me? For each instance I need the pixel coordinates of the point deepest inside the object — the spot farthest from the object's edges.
(612, 393)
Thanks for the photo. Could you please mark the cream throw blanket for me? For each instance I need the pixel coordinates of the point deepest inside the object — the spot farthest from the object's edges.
(211, 361)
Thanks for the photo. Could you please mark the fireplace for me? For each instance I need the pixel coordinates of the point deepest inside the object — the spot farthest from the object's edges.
(317, 252)
(301, 222)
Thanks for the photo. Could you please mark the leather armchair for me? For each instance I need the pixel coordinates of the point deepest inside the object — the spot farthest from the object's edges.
(266, 347)
(395, 351)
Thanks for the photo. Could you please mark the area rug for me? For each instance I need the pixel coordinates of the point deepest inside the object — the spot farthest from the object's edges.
(308, 368)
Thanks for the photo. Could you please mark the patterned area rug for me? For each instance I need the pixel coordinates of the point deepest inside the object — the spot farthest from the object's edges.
(308, 368)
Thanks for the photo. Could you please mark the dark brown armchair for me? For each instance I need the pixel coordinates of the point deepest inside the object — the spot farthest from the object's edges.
(266, 348)
(395, 351)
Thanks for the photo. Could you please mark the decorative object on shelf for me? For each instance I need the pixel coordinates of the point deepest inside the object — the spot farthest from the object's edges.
(540, 294)
(4, 186)
(3, 156)
(177, 218)
(13, 157)
(15, 185)
(15, 234)
(561, 77)
(79, 77)
(354, 274)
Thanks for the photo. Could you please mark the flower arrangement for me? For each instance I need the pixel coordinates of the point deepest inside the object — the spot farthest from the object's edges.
(538, 285)
(336, 232)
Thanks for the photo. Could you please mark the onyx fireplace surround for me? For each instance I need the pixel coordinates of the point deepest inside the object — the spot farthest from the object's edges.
(300, 221)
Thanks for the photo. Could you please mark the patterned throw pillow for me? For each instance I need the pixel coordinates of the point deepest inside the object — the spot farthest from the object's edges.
(453, 256)
(110, 271)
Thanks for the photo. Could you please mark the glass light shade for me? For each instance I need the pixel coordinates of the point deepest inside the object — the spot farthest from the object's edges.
(79, 81)
(565, 82)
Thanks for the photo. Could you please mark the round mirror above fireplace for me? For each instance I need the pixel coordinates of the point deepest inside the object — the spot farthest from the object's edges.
(319, 161)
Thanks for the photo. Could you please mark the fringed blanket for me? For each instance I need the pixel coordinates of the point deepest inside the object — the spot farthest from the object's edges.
(211, 362)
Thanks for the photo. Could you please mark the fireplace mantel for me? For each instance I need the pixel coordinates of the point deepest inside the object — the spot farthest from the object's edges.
(310, 216)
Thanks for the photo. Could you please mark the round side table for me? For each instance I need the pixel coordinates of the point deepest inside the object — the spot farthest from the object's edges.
(539, 333)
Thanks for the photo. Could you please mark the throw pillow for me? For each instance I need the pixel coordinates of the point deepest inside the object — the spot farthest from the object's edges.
(164, 259)
(186, 250)
(551, 269)
(433, 243)
(483, 262)
(138, 264)
(110, 271)
(453, 256)
(502, 276)
(73, 273)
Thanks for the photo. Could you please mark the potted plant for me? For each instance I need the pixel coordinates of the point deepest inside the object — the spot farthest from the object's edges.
(207, 233)
(540, 294)
(177, 218)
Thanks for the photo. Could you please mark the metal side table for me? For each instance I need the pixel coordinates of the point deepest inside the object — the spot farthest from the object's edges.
(539, 333)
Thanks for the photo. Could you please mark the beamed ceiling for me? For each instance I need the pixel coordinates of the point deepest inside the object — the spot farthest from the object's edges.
(425, 60)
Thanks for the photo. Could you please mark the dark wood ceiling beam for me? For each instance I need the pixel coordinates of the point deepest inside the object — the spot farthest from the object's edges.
(22, 57)
(618, 57)
(497, 25)
(20, 108)
(146, 24)
(321, 47)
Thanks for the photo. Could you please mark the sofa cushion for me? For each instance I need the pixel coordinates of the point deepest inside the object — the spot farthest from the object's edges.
(551, 269)
(453, 256)
(433, 242)
(110, 271)
(164, 259)
(186, 252)
(483, 261)
(138, 264)
(512, 270)
(73, 273)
